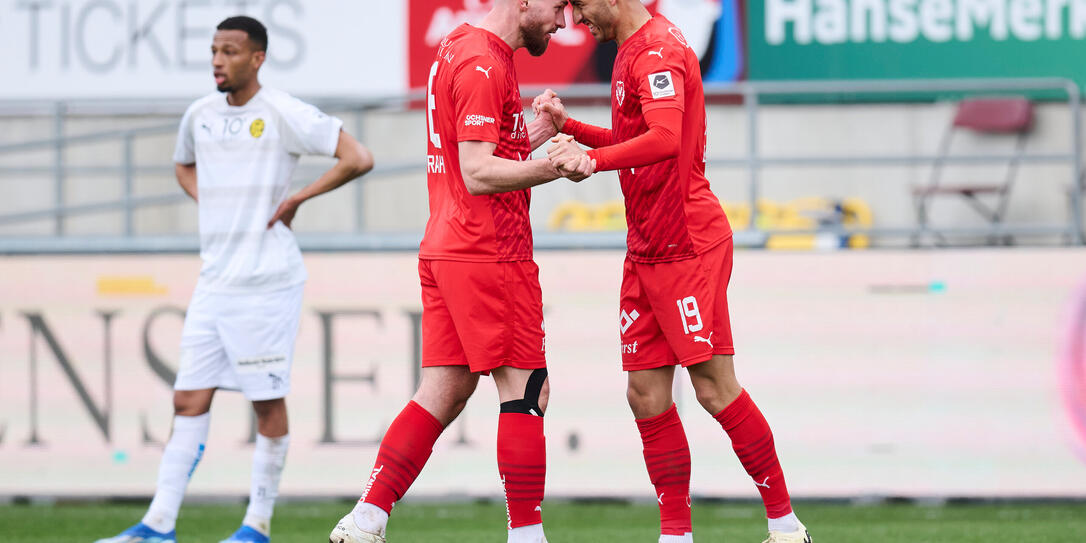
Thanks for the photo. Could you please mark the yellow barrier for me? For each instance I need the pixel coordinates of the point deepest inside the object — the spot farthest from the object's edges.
(800, 214)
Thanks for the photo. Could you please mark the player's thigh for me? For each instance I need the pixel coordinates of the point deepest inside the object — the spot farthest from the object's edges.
(497, 311)
(643, 345)
(203, 362)
(440, 341)
(683, 301)
(717, 263)
(259, 332)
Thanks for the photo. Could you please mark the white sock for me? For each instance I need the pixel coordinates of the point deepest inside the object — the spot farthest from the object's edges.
(183, 452)
(688, 537)
(269, 456)
(370, 518)
(787, 524)
(532, 533)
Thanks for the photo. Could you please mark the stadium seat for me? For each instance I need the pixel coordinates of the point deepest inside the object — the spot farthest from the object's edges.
(1010, 116)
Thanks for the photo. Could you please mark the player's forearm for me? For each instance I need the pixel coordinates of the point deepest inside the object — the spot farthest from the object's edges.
(343, 172)
(587, 134)
(186, 177)
(354, 161)
(496, 175)
(540, 131)
(661, 142)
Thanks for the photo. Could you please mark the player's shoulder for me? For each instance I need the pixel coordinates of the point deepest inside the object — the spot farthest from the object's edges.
(205, 102)
(286, 105)
(465, 41)
(661, 38)
(280, 100)
(468, 46)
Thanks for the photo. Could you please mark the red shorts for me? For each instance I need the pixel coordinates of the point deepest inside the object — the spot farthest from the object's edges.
(676, 312)
(482, 315)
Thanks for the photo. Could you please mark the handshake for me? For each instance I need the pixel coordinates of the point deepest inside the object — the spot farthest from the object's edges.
(567, 158)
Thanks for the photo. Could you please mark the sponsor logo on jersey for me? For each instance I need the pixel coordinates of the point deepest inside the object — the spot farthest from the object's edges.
(661, 84)
(708, 340)
(627, 319)
(486, 72)
(256, 129)
(478, 120)
(678, 36)
(620, 92)
(659, 53)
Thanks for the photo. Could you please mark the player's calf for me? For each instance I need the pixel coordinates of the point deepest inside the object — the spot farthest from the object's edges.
(522, 460)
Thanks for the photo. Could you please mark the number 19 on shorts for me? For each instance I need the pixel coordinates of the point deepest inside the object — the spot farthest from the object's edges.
(688, 309)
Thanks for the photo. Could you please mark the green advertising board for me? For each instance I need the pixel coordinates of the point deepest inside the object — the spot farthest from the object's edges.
(911, 39)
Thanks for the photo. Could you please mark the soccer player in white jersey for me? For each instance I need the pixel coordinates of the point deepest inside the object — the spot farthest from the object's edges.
(236, 152)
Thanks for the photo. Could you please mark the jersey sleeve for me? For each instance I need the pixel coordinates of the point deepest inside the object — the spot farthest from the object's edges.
(661, 142)
(660, 70)
(478, 92)
(306, 130)
(184, 152)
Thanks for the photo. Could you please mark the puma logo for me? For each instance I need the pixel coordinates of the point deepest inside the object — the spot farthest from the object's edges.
(659, 53)
(486, 72)
(763, 483)
(660, 498)
(705, 340)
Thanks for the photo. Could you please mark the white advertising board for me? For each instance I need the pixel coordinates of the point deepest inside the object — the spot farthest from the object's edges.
(935, 373)
(161, 48)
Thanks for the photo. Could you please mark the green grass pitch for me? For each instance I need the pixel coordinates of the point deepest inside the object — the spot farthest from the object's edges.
(297, 522)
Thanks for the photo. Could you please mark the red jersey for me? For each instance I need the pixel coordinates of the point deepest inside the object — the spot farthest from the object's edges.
(670, 211)
(472, 95)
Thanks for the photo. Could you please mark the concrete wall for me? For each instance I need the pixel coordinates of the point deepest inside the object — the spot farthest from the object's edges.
(397, 203)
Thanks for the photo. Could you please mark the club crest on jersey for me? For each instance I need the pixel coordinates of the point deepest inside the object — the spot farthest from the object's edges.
(620, 92)
(256, 128)
(661, 84)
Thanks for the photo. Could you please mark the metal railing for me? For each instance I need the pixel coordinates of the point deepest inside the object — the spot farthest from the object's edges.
(749, 94)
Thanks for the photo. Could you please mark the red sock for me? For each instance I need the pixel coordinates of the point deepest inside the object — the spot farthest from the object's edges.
(404, 450)
(667, 456)
(522, 464)
(752, 441)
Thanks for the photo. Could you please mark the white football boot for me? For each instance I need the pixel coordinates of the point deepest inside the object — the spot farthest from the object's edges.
(346, 531)
(798, 536)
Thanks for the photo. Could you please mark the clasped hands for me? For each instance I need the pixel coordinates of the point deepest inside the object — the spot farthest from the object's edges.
(567, 158)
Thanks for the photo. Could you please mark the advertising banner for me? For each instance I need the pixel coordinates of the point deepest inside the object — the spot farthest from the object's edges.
(932, 373)
(875, 39)
(161, 48)
(712, 28)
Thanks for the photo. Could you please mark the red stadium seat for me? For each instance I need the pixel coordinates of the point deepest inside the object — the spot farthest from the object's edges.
(1011, 116)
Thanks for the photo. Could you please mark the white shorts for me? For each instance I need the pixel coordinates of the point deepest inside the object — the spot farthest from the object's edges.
(240, 342)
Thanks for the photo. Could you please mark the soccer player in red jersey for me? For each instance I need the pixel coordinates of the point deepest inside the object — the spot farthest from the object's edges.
(673, 307)
(482, 305)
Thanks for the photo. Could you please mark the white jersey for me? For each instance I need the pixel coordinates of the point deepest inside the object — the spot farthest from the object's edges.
(245, 157)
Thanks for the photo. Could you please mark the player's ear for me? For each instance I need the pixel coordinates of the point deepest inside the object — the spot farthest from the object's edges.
(258, 59)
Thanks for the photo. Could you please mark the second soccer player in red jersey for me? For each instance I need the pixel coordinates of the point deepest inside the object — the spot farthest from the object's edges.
(673, 308)
(482, 305)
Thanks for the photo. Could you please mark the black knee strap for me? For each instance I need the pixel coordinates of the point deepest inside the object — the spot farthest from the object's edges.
(530, 404)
